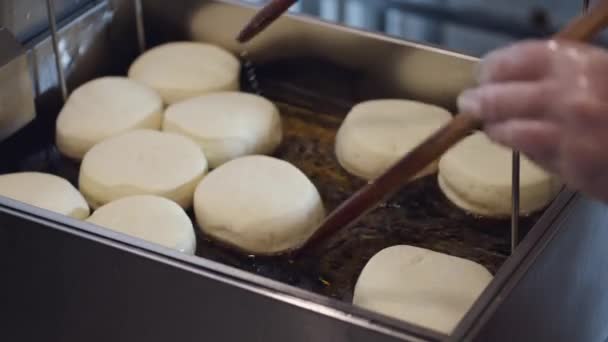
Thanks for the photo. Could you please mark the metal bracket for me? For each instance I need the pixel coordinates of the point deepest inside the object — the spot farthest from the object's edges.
(515, 201)
(139, 22)
(16, 88)
(50, 8)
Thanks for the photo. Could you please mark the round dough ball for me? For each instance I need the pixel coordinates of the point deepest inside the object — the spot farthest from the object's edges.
(151, 218)
(103, 108)
(44, 191)
(376, 134)
(227, 125)
(258, 204)
(476, 174)
(182, 70)
(419, 286)
(142, 162)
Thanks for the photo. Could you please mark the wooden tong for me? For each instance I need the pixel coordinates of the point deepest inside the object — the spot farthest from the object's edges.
(367, 198)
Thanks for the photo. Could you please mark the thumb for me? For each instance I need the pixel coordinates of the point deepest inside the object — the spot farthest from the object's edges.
(469, 102)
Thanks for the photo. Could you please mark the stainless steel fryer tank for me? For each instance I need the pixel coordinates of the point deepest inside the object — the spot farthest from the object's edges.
(69, 281)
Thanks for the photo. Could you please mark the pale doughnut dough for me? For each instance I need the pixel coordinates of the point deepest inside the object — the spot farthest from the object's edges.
(181, 70)
(102, 108)
(227, 125)
(376, 134)
(476, 176)
(44, 191)
(419, 286)
(258, 204)
(151, 218)
(142, 162)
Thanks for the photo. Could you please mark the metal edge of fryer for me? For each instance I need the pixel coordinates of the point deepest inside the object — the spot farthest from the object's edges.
(514, 268)
(222, 274)
(292, 295)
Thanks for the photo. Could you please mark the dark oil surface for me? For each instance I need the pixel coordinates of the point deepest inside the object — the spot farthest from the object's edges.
(419, 215)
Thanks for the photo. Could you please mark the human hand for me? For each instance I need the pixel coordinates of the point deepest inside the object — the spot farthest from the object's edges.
(549, 100)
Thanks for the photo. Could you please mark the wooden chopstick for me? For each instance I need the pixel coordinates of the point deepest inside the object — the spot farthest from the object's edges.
(367, 198)
(266, 16)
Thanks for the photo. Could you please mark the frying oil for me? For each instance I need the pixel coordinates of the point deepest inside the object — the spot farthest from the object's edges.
(250, 72)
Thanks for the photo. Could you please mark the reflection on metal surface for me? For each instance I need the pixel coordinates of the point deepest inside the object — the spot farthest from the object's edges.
(16, 91)
(393, 68)
(81, 45)
(28, 18)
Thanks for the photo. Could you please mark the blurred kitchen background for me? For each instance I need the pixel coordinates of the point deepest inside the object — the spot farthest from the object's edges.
(470, 26)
